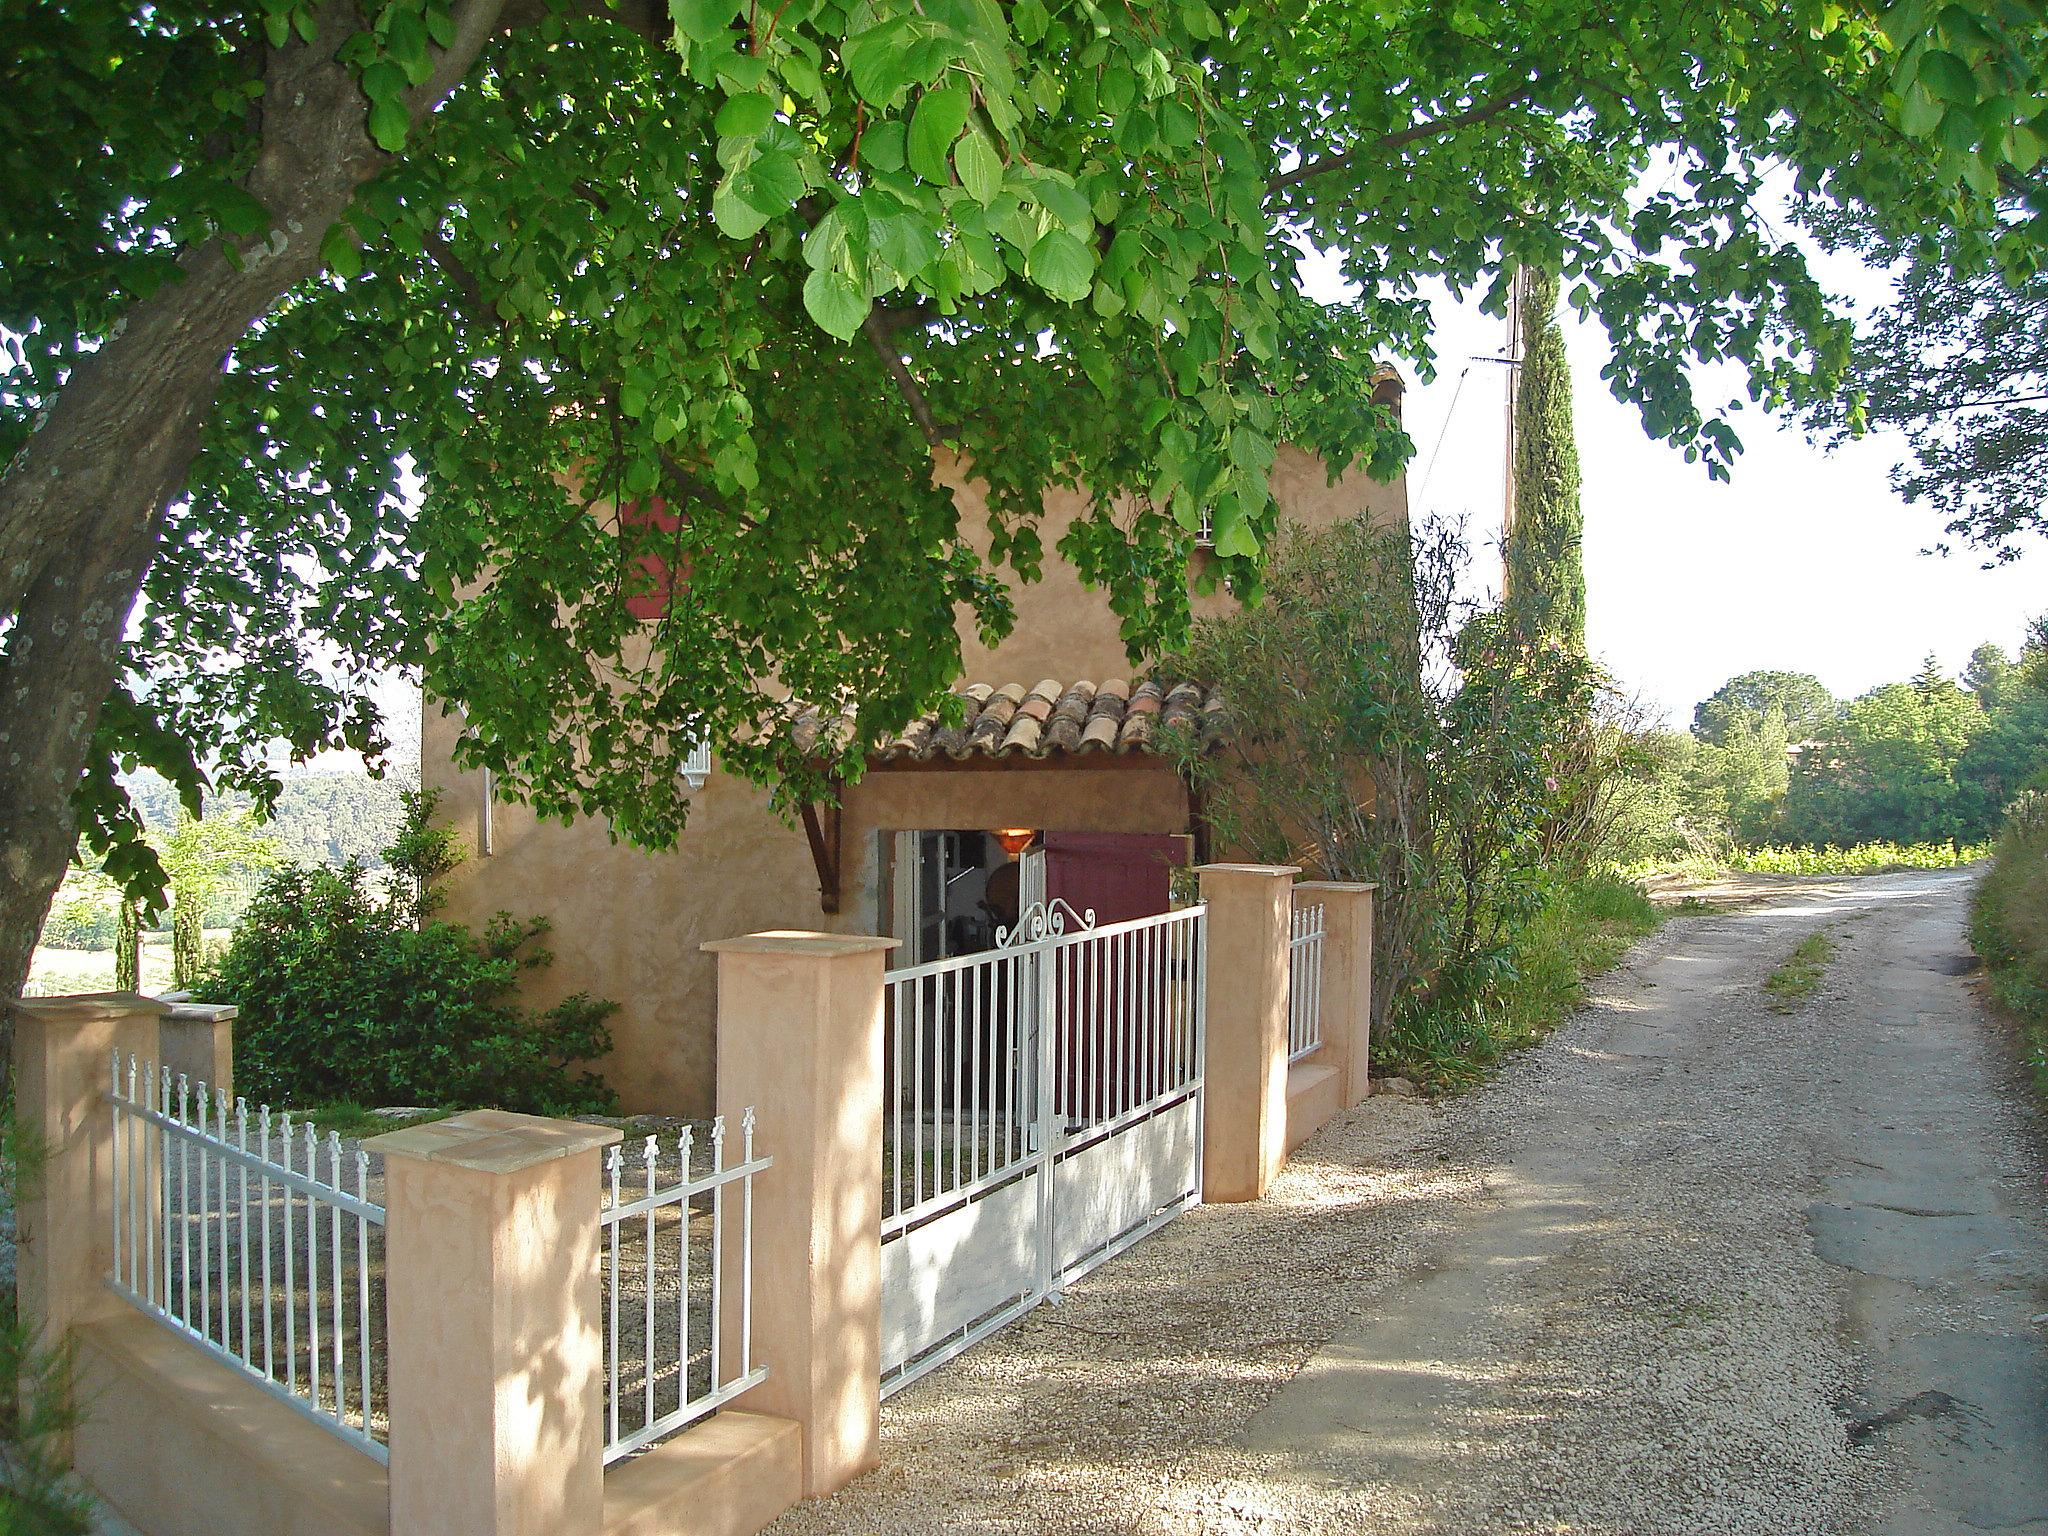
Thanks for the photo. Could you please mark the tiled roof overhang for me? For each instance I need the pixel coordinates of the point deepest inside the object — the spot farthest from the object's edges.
(1112, 718)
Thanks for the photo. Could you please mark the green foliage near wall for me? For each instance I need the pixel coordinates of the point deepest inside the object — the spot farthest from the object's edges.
(1545, 590)
(1377, 728)
(351, 989)
(2009, 924)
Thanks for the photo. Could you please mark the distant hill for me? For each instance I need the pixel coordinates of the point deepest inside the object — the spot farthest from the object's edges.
(322, 817)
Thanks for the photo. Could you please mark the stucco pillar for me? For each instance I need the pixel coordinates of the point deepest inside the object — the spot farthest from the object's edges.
(1244, 1112)
(1347, 982)
(198, 1041)
(496, 1353)
(800, 1041)
(63, 1066)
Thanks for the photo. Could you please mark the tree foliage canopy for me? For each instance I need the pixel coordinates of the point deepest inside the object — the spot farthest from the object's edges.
(1801, 699)
(746, 270)
(1957, 363)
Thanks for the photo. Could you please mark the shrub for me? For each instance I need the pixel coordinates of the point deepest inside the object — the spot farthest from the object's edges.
(353, 990)
(1861, 859)
(1582, 927)
(2009, 924)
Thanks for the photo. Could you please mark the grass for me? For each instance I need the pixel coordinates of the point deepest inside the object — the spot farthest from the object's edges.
(355, 1121)
(2009, 931)
(1583, 930)
(1792, 983)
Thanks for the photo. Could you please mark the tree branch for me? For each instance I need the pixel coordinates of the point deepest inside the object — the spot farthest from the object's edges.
(881, 335)
(1412, 135)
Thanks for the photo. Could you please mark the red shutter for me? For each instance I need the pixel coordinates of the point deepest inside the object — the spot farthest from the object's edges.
(657, 580)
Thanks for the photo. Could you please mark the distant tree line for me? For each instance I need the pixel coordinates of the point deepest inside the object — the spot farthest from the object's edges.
(1774, 757)
(321, 820)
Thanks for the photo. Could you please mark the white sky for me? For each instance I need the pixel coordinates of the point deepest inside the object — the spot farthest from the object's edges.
(1805, 562)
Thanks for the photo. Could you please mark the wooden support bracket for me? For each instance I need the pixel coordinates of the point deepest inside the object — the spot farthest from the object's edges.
(821, 829)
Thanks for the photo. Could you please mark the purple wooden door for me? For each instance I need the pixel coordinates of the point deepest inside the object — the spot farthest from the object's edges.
(1103, 986)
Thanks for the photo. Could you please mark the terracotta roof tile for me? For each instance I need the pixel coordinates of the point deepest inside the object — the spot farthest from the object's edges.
(1112, 715)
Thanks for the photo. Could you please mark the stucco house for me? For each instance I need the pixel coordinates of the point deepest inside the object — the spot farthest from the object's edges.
(1050, 787)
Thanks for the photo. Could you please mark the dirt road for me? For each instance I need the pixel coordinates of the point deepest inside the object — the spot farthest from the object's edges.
(1691, 1266)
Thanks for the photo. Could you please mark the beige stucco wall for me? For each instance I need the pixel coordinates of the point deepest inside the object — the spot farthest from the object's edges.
(628, 924)
(1065, 630)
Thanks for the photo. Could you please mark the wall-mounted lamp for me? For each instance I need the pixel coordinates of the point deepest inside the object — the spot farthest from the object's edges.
(1014, 840)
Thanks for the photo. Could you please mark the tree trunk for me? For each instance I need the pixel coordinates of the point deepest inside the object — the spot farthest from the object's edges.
(82, 504)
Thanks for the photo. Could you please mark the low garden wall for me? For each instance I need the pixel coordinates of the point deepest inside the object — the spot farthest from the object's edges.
(507, 1324)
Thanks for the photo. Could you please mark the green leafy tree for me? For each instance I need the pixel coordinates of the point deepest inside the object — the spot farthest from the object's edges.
(1990, 675)
(2033, 662)
(128, 945)
(1889, 772)
(1545, 589)
(205, 859)
(741, 272)
(1740, 781)
(1956, 363)
(1808, 709)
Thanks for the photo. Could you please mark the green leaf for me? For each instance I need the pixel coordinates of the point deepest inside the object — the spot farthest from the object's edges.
(238, 213)
(339, 250)
(702, 20)
(772, 184)
(879, 62)
(981, 172)
(735, 214)
(881, 147)
(936, 123)
(389, 125)
(1919, 113)
(1948, 77)
(277, 28)
(1062, 266)
(836, 303)
(744, 116)
(905, 243)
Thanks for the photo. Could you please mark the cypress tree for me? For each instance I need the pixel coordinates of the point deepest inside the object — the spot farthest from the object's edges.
(1545, 576)
(128, 947)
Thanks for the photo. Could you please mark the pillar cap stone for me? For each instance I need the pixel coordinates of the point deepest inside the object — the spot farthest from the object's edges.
(493, 1140)
(1269, 870)
(1360, 886)
(798, 942)
(85, 1007)
(202, 1013)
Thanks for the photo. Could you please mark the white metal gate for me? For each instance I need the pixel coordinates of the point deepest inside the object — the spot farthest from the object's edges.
(1045, 1112)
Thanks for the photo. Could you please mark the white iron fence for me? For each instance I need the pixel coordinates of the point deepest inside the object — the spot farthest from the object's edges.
(1044, 1111)
(664, 1236)
(242, 1235)
(1305, 982)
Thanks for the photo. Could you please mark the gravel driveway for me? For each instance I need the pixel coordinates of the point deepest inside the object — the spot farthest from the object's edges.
(1690, 1266)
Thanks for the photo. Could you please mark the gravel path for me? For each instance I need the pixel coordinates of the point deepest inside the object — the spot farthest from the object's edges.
(1690, 1266)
